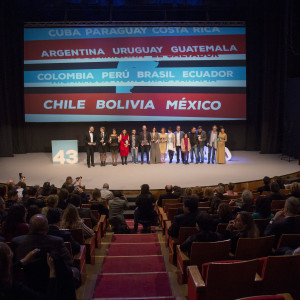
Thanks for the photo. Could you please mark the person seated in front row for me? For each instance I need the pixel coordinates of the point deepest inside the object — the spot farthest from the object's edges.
(242, 227)
(54, 220)
(144, 208)
(187, 219)
(262, 208)
(168, 195)
(275, 192)
(285, 221)
(204, 223)
(266, 186)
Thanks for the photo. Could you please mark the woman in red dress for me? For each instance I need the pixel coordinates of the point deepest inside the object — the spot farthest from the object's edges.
(124, 146)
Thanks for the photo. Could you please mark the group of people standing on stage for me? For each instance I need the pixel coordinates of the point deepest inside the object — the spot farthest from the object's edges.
(155, 145)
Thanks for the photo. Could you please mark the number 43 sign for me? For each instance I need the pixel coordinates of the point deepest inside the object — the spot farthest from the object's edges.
(64, 152)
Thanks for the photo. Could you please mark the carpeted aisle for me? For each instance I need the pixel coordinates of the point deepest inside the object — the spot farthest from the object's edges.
(134, 269)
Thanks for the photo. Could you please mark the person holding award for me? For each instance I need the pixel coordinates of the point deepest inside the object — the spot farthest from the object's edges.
(114, 146)
(171, 144)
(163, 145)
(145, 139)
(222, 139)
(102, 145)
(90, 143)
(124, 146)
(154, 152)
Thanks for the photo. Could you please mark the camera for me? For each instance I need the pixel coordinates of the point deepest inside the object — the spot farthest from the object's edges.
(77, 178)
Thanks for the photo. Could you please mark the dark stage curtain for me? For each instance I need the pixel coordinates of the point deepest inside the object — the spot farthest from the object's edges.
(266, 75)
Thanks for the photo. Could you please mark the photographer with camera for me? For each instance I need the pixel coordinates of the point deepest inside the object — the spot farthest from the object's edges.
(76, 182)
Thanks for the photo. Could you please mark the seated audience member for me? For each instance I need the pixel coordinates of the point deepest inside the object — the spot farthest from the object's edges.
(31, 211)
(197, 193)
(266, 186)
(208, 194)
(216, 199)
(98, 204)
(117, 205)
(245, 203)
(96, 196)
(2, 192)
(187, 219)
(285, 221)
(71, 220)
(106, 194)
(242, 227)
(63, 197)
(54, 220)
(204, 223)
(83, 212)
(10, 289)
(279, 181)
(40, 200)
(69, 181)
(168, 195)
(82, 194)
(52, 202)
(53, 190)
(36, 275)
(262, 208)
(11, 185)
(275, 192)
(295, 190)
(32, 194)
(25, 196)
(144, 207)
(187, 192)
(15, 222)
(224, 214)
(177, 191)
(12, 198)
(230, 191)
(3, 212)
(46, 189)
(20, 187)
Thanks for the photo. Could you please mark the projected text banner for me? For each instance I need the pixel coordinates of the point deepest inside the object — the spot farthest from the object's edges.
(134, 73)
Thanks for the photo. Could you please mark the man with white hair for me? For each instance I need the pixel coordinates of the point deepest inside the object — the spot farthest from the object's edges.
(106, 194)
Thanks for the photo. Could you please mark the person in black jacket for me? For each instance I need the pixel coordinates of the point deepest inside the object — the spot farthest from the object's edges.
(134, 144)
(102, 142)
(266, 186)
(285, 221)
(54, 218)
(194, 145)
(145, 139)
(275, 192)
(144, 207)
(168, 195)
(187, 219)
(90, 140)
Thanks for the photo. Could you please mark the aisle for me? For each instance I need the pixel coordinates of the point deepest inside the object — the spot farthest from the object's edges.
(134, 268)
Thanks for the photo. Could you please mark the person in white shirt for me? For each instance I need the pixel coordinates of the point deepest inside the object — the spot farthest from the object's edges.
(179, 135)
(170, 144)
(212, 144)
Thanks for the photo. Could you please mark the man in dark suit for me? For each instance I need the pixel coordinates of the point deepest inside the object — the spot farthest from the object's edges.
(54, 218)
(168, 195)
(145, 139)
(285, 221)
(89, 140)
(275, 192)
(179, 135)
(134, 143)
(187, 219)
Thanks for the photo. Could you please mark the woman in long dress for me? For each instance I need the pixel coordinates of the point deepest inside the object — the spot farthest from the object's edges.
(222, 139)
(124, 146)
(171, 144)
(114, 146)
(102, 145)
(154, 152)
(163, 144)
(185, 148)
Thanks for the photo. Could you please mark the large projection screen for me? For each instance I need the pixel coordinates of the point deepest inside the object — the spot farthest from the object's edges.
(134, 73)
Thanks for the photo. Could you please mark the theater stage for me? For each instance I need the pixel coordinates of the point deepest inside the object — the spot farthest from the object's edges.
(244, 166)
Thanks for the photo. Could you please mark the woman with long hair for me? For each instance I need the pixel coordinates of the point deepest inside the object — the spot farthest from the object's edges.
(15, 224)
(163, 144)
(222, 139)
(114, 146)
(124, 146)
(242, 227)
(71, 220)
(262, 208)
(102, 145)
(154, 151)
(52, 202)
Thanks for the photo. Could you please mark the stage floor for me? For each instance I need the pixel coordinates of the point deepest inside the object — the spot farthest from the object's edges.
(244, 166)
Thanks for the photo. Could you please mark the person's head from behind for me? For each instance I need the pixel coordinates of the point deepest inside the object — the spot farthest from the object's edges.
(12, 195)
(31, 211)
(295, 189)
(224, 211)
(63, 195)
(21, 185)
(244, 222)
(38, 225)
(266, 180)
(46, 189)
(247, 197)
(53, 190)
(70, 188)
(70, 217)
(204, 222)
(75, 200)
(292, 207)
(32, 192)
(52, 200)
(187, 192)
(117, 194)
(54, 216)
(16, 215)
(263, 206)
(230, 186)
(208, 193)
(278, 180)
(106, 186)
(6, 265)
(219, 191)
(96, 194)
(169, 188)
(197, 190)
(145, 188)
(25, 194)
(190, 205)
(2, 191)
(275, 188)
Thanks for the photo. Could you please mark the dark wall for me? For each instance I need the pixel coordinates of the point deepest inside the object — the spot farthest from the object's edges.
(39, 135)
